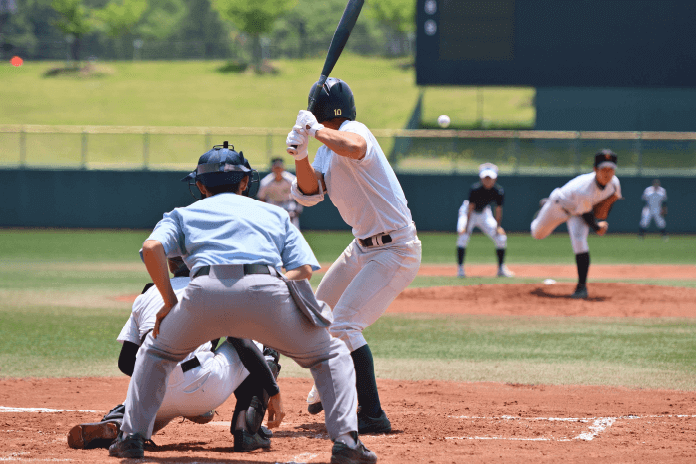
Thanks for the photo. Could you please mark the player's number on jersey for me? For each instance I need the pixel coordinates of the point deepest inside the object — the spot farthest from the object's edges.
(337, 112)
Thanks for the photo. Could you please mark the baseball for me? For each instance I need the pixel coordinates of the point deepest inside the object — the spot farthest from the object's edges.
(443, 120)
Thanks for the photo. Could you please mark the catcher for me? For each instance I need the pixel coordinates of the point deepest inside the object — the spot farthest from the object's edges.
(202, 381)
(584, 204)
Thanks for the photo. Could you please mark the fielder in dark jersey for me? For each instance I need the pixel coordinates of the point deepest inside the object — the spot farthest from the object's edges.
(476, 212)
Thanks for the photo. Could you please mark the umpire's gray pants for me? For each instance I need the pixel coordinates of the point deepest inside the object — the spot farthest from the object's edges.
(256, 306)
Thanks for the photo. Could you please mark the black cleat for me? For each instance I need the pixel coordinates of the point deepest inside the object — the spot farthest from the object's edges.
(379, 424)
(265, 432)
(128, 446)
(580, 293)
(244, 441)
(93, 435)
(315, 408)
(342, 454)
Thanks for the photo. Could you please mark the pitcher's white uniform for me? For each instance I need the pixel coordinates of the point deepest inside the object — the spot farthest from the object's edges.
(200, 389)
(568, 204)
(278, 193)
(653, 198)
(372, 270)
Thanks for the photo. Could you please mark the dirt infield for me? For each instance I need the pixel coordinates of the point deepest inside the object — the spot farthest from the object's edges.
(434, 421)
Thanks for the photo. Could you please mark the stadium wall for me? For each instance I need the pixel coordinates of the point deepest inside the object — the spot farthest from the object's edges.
(137, 199)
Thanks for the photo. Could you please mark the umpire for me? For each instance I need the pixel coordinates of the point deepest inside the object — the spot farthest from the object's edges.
(235, 247)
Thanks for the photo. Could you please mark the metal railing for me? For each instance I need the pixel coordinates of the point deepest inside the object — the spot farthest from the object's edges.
(515, 151)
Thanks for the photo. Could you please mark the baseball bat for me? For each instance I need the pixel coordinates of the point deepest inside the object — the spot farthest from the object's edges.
(338, 42)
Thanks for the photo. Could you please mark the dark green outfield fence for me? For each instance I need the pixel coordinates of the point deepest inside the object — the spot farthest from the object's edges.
(137, 199)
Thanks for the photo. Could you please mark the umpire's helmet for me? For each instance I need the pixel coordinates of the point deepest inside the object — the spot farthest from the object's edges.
(222, 166)
(335, 100)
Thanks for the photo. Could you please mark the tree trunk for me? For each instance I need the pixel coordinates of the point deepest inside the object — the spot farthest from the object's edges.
(75, 50)
(256, 51)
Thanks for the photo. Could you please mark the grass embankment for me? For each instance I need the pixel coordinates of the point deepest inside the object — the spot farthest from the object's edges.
(196, 94)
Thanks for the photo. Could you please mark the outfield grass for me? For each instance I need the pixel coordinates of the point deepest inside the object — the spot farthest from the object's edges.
(60, 315)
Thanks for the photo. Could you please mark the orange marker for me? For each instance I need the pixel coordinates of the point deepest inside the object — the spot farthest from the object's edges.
(16, 61)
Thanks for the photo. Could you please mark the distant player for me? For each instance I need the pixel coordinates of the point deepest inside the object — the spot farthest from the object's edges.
(573, 204)
(275, 189)
(203, 381)
(655, 198)
(476, 212)
(385, 255)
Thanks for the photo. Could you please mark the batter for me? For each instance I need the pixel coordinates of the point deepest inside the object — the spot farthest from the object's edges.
(385, 255)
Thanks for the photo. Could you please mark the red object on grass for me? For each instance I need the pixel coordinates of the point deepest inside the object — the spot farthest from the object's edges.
(16, 61)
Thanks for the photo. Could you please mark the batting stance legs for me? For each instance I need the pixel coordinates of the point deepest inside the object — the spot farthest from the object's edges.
(359, 286)
(260, 307)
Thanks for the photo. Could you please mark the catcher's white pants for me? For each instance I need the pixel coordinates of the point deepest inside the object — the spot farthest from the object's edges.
(204, 388)
(553, 215)
(363, 282)
(647, 214)
(484, 221)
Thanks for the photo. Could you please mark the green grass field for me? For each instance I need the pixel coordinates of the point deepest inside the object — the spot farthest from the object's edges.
(59, 315)
(196, 94)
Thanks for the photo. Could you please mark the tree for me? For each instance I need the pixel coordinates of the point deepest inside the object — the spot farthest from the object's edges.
(397, 15)
(120, 17)
(254, 17)
(74, 20)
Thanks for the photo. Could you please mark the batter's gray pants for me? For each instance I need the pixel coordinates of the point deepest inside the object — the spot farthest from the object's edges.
(256, 306)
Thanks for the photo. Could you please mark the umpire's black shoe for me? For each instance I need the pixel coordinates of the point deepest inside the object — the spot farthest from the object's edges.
(342, 454)
(367, 424)
(245, 441)
(580, 293)
(128, 446)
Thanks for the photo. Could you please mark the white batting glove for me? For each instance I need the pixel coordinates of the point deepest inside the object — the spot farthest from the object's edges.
(308, 121)
(299, 139)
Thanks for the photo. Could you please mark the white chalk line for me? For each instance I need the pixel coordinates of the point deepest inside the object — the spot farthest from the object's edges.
(599, 424)
(8, 409)
(303, 458)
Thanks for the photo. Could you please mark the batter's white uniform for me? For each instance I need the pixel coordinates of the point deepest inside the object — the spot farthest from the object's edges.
(200, 389)
(568, 204)
(366, 278)
(277, 192)
(483, 220)
(653, 197)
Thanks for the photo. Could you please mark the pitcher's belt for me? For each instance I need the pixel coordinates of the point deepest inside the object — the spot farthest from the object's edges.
(248, 269)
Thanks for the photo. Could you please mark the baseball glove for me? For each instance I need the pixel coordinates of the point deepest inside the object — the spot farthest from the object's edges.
(601, 209)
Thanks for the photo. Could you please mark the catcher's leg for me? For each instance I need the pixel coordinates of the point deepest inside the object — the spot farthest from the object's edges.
(97, 434)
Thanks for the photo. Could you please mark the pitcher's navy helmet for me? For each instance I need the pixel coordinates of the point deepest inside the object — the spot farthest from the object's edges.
(221, 166)
(335, 100)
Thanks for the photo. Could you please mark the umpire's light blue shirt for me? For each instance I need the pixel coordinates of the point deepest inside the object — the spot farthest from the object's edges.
(233, 229)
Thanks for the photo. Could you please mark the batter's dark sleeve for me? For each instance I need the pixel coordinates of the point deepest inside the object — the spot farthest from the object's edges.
(126, 360)
(255, 363)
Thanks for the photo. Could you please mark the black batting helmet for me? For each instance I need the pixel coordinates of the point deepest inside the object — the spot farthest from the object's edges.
(222, 166)
(335, 100)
